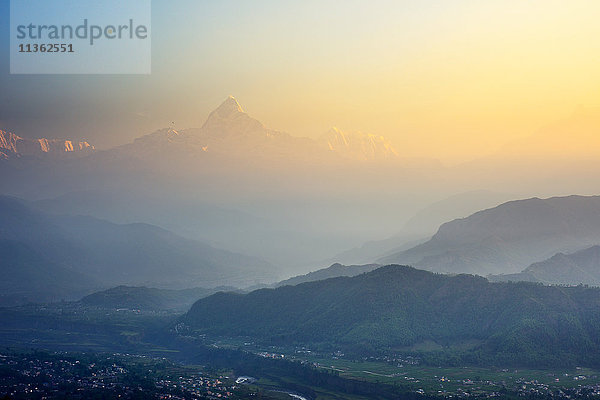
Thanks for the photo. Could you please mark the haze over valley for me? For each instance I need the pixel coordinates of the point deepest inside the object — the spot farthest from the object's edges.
(295, 202)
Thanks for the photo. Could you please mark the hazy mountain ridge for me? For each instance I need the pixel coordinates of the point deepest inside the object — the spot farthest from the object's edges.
(154, 209)
(28, 276)
(112, 254)
(397, 307)
(333, 271)
(423, 225)
(277, 182)
(509, 237)
(580, 267)
(149, 299)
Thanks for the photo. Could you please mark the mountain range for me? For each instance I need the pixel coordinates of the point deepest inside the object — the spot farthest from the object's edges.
(13, 146)
(51, 257)
(235, 184)
(508, 238)
(359, 145)
(232, 182)
(232, 134)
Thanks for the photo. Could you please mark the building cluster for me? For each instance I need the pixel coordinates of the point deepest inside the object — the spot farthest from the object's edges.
(44, 377)
(198, 387)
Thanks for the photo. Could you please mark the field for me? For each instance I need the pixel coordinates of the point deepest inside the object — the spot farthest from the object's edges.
(453, 380)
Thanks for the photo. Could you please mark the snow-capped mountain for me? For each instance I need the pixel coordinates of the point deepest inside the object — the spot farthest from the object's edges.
(358, 145)
(228, 132)
(13, 146)
(231, 132)
(229, 119)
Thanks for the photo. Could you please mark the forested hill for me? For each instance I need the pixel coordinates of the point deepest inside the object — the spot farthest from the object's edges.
(399, 308)
(149, 299)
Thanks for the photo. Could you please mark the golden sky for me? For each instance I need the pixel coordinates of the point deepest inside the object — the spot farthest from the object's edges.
(446, 79)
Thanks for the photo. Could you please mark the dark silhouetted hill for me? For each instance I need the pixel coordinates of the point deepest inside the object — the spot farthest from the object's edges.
(397, 308)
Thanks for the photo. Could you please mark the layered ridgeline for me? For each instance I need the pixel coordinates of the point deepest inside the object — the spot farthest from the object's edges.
(459, 318)
(232, 181)
(180, 300)
(29, 276)
(148, 299)
(423, 225)
(580, 267)
(333, 271)
(48, 257)
(508, 238)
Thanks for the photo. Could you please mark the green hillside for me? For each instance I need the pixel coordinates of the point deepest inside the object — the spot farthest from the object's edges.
(461, 318)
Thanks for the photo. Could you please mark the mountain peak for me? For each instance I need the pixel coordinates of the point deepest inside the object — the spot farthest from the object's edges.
(230, 119)
(229, 107)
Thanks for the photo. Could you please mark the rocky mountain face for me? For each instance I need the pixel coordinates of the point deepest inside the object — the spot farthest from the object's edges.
(507, 238)
(13, 146)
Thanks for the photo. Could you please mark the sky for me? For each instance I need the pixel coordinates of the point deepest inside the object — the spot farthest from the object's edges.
(452, 80)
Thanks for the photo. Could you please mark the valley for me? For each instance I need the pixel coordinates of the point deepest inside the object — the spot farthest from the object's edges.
(140, 352)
